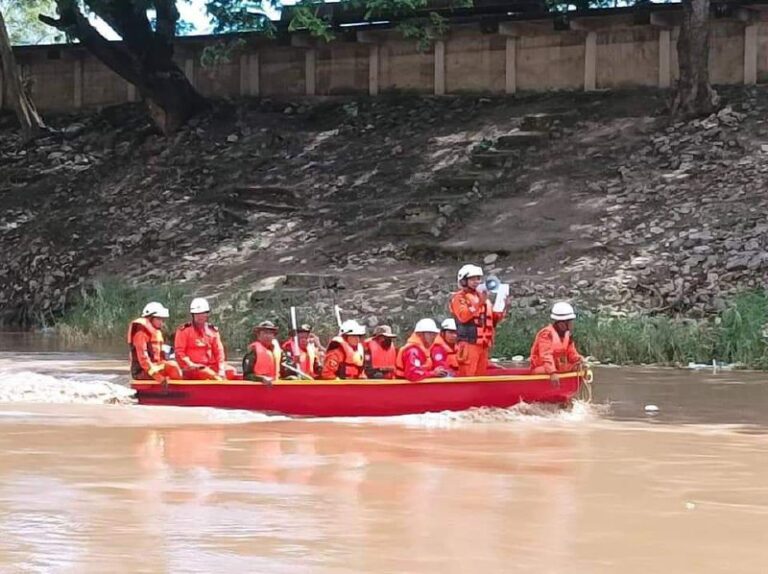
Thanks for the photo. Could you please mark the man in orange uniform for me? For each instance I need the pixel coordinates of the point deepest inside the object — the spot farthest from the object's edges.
(145, 339)
(198, 347)
(553, 349)
(345, 357)
(443, 350)
(413, 359)
(475, 321)
(380, 353)
(262, 361)
(305, 357)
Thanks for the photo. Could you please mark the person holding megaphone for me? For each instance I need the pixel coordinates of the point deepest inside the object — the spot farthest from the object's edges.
(476, 321)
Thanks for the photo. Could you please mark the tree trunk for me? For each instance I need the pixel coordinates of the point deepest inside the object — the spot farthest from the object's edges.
(144, 57)
(694, 97)
(31, 123)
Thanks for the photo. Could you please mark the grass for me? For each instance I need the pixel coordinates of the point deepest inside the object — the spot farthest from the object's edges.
(736, 335)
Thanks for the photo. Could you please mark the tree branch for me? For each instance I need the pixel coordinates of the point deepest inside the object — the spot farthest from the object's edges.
(167, 16)
(111, 54)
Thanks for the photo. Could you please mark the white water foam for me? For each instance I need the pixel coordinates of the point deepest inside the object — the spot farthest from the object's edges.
(31, 387)
(522, 413)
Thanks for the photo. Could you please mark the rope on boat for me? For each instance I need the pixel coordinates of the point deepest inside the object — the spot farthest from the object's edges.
(585, 385)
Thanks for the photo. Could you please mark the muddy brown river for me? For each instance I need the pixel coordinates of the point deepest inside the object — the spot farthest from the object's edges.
(606, 487)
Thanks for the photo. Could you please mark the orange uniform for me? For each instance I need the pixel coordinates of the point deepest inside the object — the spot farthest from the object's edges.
(413, 360)
(262, 361)
(379, 360)
(306, 359)
(342, 361)
(475, 326)
(201, 346)
(147, 356)
(444, 355)
(552, 354)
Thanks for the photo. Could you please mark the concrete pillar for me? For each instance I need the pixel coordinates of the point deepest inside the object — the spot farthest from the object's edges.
(310, 71)
(78, 93)
(440, 68)
(665, 58)
(189, 70)
(130, 91)
(750, 54)
(244, 71)
(590, 62)
(373, 70)
(510, 74)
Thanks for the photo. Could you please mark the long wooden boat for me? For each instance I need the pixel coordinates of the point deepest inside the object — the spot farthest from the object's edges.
(372, 397)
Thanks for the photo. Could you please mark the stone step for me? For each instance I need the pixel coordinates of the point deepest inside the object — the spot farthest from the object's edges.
(518, 140)
(544, 122)
(494, 158)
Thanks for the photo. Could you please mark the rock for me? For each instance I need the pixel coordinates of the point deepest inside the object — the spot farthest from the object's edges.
(233, 138)
(490, 258)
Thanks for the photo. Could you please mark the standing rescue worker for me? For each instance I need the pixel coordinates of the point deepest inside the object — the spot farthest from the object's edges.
(305, 357)
(414, 361)
(475, 322)
(381, 353)
(145, 339)
(443, 350)
(263, 358)
(553, 349)
(345, 357)
(198, 346)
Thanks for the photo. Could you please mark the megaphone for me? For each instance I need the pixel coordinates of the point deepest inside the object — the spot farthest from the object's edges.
(492, 283)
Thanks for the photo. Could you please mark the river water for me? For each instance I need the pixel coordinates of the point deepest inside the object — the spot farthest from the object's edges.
(95, 486)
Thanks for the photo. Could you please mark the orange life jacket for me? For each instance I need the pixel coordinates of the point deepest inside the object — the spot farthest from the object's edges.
(154, 345)
(354, 359)
(306, 359)
(479, 330)
(379, 357)
(198, 345)
(266, 362)
(414, 341)
(548, 339)
(440, 345)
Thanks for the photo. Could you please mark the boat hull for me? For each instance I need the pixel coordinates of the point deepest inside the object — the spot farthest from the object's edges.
(342, 398)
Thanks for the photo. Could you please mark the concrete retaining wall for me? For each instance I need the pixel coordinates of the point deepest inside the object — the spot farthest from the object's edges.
(600, 52)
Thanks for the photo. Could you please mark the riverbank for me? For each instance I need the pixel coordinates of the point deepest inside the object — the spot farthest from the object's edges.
(735, 335)
(375, 203)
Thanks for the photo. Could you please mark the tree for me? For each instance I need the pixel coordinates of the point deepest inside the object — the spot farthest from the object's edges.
(23, 25)
(693, 95)
(31, 123)
(144, 57)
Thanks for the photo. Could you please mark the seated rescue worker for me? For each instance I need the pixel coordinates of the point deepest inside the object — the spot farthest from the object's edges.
(443, 350)
(475, 321)
(263, 358)
(305, 357)
(380, 353)
(413, 359)
(145, 339)
(344, 357)
(198, 346)
(553, 349)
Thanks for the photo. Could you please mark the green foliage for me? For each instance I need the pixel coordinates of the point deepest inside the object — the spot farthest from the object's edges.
(220, 53)
(239, 15)
(24, 27)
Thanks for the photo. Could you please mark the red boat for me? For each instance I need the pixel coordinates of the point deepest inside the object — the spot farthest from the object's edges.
(367, 397)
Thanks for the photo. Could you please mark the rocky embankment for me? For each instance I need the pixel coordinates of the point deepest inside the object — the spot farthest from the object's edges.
(374, 203)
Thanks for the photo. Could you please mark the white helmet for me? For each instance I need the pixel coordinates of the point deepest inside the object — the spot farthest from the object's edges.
(562, 311)
(468, 271)
(351, 327)
(426, 326)
(448, 325)
(199, 305)
(155, 309)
